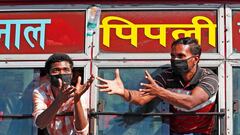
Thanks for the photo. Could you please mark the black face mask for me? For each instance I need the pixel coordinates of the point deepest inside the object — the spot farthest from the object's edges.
(180, 67)
(64, 77)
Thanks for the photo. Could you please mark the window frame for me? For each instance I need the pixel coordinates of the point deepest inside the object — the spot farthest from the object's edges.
(229, 37)
(229, 95)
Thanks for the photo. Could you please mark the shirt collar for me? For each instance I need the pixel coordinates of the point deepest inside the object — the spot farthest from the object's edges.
(49, 91)
(194, 80)
(196, 76)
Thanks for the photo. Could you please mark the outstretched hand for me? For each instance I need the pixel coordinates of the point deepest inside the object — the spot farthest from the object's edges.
(152, 88)
(111, 86)
(81, 89)
(65, 91)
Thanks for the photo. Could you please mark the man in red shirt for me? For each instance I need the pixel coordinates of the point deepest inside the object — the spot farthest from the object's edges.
(58, 96)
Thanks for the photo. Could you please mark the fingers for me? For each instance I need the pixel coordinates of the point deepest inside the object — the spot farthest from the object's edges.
(60, 87)
(101, 86)
(105, 90)
(111, 92)
(146, 85)
(149, 77)
(144, 92)
(79, 80)
(91, 78)
(89, 82)
(101, 79)
(69, 90)
(85, 88)
(117, 76)
(78, 84)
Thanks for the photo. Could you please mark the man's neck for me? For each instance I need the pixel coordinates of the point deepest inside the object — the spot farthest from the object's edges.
(188, 77)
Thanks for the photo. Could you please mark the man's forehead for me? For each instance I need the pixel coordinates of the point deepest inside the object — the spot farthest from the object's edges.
(61, 64)
(181, 48)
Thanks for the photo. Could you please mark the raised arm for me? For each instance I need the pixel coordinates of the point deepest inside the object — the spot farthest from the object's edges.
(116, 87)
(198, 96)
(44, 114)
(81, 123)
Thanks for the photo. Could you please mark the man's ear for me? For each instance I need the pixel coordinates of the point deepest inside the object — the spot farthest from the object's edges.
(197, 58)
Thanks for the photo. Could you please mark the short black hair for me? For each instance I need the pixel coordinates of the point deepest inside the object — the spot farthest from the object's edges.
(57, 57)
(192, 42)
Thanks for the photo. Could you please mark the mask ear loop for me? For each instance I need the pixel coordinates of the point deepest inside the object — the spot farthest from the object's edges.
(197, 58)
(194, 64)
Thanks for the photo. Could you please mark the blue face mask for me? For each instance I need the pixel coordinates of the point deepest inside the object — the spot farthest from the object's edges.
(180, 67)
(66, 78)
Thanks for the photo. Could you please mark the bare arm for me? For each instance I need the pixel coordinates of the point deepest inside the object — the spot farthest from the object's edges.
(47, 116)
(80, 119)
(116, 87)
(197, 97)
(137, 97)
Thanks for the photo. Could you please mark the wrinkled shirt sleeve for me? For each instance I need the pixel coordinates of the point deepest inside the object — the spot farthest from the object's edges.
(39, 104)
(83, 131)
(84, 101)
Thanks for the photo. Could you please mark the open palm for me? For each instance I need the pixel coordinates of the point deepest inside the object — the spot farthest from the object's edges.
(112, 86)
(82, 88)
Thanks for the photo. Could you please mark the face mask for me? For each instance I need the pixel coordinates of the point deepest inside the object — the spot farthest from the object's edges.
(180, 66)
(64, 77)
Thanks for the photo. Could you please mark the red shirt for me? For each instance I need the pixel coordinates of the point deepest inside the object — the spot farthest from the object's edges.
(62, 125)
(193, 123)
